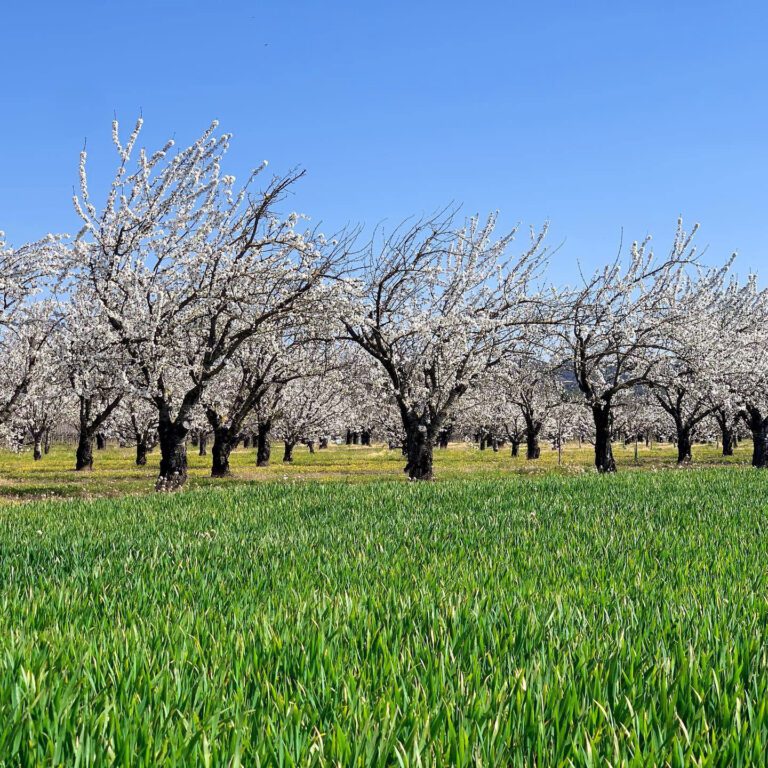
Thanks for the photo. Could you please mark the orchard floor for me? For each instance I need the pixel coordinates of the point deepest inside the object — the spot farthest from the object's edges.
(116, 474)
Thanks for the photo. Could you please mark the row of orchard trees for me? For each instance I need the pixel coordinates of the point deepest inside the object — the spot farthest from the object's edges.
(188, 303)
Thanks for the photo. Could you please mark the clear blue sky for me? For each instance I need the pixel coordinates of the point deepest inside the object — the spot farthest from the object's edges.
(593, 115)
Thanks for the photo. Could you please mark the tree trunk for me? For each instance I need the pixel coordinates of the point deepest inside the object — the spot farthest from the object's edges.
(194, 438)
(515, 448)
(349, 437)
(84, 454)
(141, 451)
(419, 466)
(311, 445)
(89, 429)
(101, 441)
(323, 442)
(355, 438)
(683, 445)
(728, 441)
(173, 455)
(288, 452)
(222, 447)
(727, 432)
(38, 450)
(758, 425)
(47, 442)
(760, 450)
(532, 447)
(365, 437)
(246, 440)
(604, 460)
(203, 443)
(263, 446)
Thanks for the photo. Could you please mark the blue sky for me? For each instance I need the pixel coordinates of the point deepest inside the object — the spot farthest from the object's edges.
(597, 116)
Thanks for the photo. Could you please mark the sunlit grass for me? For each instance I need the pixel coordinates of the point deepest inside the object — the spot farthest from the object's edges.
(115, 473)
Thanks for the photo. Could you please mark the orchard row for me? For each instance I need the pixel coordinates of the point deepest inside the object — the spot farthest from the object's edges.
(188, 304)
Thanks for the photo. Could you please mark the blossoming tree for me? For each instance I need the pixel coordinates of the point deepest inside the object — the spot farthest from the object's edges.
(186, 268)
(617, 328)
(437, 305)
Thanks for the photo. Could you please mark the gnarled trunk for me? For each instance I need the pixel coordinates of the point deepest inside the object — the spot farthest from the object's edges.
(89, 428)
(101, 441)
(683, 445)
(515, 448)
(141, 451)
(419, 444)
(47, 442)
(246, 440)
(365, 437)
(203, 444)
(728, 442)
(532, 447)
(758, 426)
(760, 450)
(226, 435)
(84, 453)
(604, 460)
(288, 452)
(727, 432)
(222, 447)
(311, 445)
(323, 442)
(263, 446)
(38, 449)
(173, 455)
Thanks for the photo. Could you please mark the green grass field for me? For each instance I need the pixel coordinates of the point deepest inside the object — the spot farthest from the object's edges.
(492, 618)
